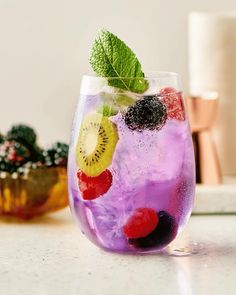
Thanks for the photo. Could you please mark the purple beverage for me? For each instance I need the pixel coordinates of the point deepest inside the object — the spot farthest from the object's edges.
(131, 164)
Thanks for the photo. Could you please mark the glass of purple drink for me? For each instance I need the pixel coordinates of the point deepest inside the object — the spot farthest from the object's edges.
(131, 163)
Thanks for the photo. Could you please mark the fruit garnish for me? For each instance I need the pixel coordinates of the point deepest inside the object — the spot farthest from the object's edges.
(96, 144)
(94, 187)
(110, 57)
(147, 113)
(165, 231)
(141, 223)
(108, 110)
(174, 103)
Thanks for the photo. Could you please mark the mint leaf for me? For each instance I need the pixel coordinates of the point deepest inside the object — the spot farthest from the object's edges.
(111, 57)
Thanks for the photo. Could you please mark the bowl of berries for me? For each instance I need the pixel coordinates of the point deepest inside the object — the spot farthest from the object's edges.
(33, 180)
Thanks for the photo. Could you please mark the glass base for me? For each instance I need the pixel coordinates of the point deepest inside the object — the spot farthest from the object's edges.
(170, 250)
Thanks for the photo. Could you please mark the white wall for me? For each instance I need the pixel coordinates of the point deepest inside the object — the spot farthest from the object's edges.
(44, 51)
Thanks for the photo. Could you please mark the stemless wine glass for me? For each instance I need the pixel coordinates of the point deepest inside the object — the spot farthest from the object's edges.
(131, 165)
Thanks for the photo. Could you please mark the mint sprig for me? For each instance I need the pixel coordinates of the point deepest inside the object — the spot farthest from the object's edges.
(111, 57)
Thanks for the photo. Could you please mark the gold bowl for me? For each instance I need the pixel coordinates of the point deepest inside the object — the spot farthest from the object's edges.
(35, 193)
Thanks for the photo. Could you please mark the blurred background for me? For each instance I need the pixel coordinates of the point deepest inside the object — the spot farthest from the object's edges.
(44, 50)
(45, 46)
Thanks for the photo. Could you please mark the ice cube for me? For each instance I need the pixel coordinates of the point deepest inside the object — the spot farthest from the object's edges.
(149, 155)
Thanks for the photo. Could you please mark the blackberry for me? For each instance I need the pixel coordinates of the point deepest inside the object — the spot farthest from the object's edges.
(147, 113)
(1, 138)
(26, 136)
(56, 155)
(162, 235)
(22, 133)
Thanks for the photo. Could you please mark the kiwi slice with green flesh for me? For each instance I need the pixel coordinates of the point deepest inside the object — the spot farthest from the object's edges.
(96, 144)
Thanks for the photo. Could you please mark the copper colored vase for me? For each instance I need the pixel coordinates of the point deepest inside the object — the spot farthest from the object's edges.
(202, 113)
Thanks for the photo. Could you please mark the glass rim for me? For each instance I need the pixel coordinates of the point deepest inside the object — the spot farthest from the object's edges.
(151, 75)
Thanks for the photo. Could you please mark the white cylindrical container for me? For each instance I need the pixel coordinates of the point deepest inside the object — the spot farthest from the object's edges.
(212, 66)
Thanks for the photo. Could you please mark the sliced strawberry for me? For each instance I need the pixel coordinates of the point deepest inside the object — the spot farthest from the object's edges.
(174, 103)
(94, 187)
(141, 223)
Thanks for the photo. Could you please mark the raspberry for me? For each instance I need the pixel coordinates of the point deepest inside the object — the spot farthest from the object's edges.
(174, 103)
(141, 223)
(13, 155)
(163, 234)
(93, 187)
(147, 113)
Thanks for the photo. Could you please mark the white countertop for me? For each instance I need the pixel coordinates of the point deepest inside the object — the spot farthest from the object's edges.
(50, 256)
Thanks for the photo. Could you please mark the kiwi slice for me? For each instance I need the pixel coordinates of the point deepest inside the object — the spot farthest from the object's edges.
(96, 144)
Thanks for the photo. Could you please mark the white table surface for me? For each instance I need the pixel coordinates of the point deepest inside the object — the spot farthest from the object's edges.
(51, 256)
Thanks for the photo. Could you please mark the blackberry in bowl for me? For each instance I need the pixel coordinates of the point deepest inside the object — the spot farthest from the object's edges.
(32, 180)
